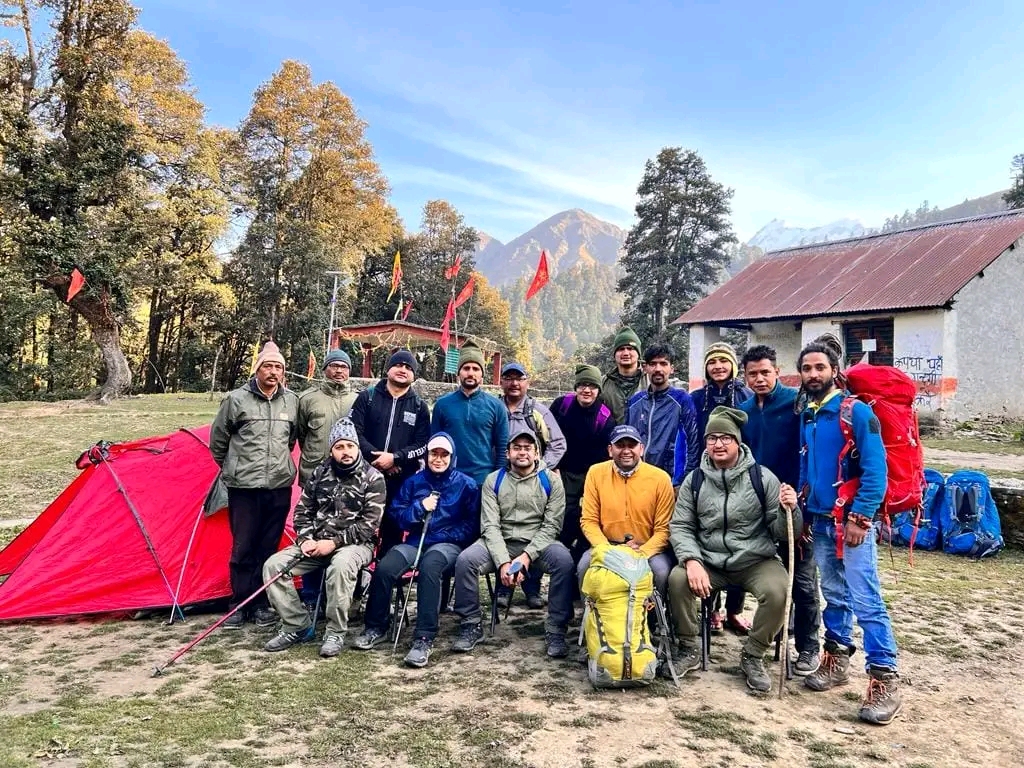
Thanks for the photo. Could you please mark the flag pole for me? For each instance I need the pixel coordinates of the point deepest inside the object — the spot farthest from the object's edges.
(334, 304)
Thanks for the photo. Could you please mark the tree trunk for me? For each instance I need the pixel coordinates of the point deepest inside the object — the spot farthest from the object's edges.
(156, 320)
(119, 376)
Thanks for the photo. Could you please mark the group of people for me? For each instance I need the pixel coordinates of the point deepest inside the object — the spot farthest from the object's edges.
(707, 485)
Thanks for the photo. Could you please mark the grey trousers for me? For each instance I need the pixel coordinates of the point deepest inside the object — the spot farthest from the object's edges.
(342, 571)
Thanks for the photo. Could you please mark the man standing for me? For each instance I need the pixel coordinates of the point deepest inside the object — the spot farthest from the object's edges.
(724, 533)
(251, 440)
(526, 413)
(320, 408)
(587, 425)
(772, 433)
(336, 522)
(665, 418)
(849, 585)
(723, 387)
(626, 378)
(393, 424)
(627, 497)
(521, 516)
(477, 421)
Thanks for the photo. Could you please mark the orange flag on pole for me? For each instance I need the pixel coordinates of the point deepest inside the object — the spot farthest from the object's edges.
(540, 278)
(311, 365)
(465, 293)
(446, 327)
(396, 275)
(453, 270)
(77, 282)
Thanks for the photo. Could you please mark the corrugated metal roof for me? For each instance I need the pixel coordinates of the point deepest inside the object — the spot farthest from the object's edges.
(915, 268)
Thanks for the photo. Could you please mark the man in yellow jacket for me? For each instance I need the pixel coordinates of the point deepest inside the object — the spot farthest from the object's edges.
(627, 500)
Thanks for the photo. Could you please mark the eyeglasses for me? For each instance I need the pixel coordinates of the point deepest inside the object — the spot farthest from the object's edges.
(588, 386)
(723, 439)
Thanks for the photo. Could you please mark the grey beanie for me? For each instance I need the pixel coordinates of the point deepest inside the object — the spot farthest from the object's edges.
(338, 356)
(343, 429)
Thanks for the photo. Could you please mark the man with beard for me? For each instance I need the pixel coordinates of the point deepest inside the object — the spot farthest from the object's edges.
(627, 497)
(724, 387)
(393, 424)
(621, 383)
(336, 522)
(520, 518)
(477, 421)
(665, 418)
(251, 440)
(772, 433)
(849, 585)
(443, 501)
(526, 413)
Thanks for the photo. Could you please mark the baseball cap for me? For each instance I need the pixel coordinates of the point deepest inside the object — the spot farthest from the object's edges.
(513, 367)
(624, 431)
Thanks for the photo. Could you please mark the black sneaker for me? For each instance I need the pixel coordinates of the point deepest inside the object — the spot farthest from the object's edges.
(807, 663)
(284, 640)
(535, 602)
(469, 636)
(419, 654)
(234, 621)
(555, 644)
(757, 676)
(368, 639)
(265, 617)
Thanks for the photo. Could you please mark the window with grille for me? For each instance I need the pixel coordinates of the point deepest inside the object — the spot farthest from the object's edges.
(854, 334)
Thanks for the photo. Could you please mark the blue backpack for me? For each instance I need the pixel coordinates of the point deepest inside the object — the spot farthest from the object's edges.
(969, 519)
(924, 532)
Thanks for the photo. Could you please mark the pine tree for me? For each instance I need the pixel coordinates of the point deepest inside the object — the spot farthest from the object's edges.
(1014, 196)
(678, 247)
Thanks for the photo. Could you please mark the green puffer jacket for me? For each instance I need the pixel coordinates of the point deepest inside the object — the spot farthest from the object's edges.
(728, 531)
(319, 408)
(522, 517)
(252, 437)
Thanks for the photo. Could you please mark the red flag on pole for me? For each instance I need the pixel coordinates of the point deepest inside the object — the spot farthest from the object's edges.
(465, 293)
(311, 365)
(453, 270)
(77, 282)
(540, 279)
(445, 326)
(408, 307)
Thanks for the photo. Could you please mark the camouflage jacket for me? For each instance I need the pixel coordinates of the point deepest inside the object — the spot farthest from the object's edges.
(345, 508)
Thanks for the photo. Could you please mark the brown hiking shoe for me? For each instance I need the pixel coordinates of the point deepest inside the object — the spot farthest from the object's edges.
(834, 669)
(883, 700)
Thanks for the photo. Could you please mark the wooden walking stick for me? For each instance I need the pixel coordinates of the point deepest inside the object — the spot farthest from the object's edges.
(784, 656)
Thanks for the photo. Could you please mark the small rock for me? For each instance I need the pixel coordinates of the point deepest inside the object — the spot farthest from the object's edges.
(844, 729)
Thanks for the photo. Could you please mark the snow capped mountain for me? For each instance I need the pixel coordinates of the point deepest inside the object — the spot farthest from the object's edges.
(776, 236)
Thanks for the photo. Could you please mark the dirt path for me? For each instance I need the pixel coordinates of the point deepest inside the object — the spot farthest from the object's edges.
(993, 462)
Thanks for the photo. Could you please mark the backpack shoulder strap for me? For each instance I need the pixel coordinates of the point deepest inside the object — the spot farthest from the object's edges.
(695, 484)
(545, 482)
(757, 480)
(603, 414)
(497, 481)
(561, 405)
(846, 428)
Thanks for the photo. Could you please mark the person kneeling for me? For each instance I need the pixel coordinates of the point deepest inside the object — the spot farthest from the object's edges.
(439, 505)
(522, 508)
(336, 523)
(726, 534)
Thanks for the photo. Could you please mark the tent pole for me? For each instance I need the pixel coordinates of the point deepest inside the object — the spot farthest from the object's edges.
(145, 533)
(184, 563)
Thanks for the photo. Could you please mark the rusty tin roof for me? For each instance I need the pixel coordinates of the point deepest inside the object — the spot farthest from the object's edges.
(917, 268)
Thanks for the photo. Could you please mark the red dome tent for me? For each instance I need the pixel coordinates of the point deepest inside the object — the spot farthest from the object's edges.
(129, 533)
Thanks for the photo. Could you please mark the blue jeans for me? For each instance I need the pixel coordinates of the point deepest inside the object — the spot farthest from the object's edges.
(851, 588)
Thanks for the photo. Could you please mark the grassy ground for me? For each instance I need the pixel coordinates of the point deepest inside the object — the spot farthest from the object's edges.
(1008, 447)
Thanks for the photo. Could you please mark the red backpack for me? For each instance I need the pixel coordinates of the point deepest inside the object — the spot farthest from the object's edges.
(891, 394)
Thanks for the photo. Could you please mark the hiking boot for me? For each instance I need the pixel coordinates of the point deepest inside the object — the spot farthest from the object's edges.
(265, 617)
(368, 639)
(333, 644)
(757, 675)
(555, 645)
(685, 658)
(234, 621)
(716, 622)
(737, 624)
(806, 663)
(535, 602)
(469, 636)
(883, 700)
(284, 640)
(504, 599)
(419, 654)
(834, 669)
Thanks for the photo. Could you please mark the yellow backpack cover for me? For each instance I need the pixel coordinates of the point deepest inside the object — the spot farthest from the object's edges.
(618, 590)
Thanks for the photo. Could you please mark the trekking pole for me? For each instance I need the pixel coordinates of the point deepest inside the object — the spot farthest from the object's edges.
(415, 565)
(157, 671)
(784, 656)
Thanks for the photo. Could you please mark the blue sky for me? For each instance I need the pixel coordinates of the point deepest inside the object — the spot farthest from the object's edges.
(811, 111)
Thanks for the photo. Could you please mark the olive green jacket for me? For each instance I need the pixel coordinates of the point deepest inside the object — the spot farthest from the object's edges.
(319, 408)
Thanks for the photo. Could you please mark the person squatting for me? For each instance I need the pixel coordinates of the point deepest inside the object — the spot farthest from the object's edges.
(711, 491)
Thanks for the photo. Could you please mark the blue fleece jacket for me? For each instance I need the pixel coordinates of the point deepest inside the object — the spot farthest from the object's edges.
(772, 432)
(456, 519)
(478, 423)
(706, 398)
(667, 423)
(821, 439)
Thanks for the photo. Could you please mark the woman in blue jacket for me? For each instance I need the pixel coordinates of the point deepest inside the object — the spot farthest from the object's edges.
(446, 503)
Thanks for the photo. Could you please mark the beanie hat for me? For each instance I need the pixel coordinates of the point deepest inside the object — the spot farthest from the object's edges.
(269, 354)
(726, 421)
(721, 349)
(587, 374)
(471, 353)
(627, 338)
(338, 356)
(343, 429)
(405, 357)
